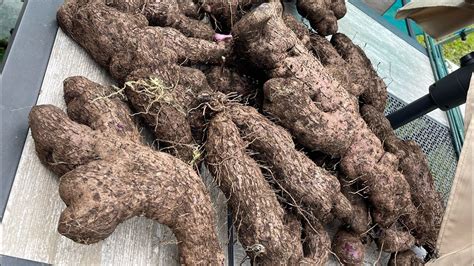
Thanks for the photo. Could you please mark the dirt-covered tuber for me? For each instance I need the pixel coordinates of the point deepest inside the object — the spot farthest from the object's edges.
(349, 248)
(108, 176)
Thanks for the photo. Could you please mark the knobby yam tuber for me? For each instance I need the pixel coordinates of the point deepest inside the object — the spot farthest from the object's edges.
(149, 61)
(413, 163)
(259, 218)
(108, 176)
(325, 93)
(320, 113)
(349, 248)
(322, 14)
(182, 15)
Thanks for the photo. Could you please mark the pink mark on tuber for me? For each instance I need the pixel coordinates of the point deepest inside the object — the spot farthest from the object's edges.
(221, 37)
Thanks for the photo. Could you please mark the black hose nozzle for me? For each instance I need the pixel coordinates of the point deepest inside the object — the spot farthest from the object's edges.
(446, 93)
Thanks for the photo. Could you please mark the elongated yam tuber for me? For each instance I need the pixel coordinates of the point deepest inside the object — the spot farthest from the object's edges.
(415, 167)
(108, 176)
(319, 112)
(303, 181)
(259, 218)
(150, 59)
(361, 219)
(349, 248)
(375, 91)
(182, 15)
(322, 14)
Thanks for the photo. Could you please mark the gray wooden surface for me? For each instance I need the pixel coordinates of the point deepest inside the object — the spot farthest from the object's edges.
(29, 226)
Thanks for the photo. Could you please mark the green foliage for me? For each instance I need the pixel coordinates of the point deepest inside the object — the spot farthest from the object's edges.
(454, 50)
(421, 39)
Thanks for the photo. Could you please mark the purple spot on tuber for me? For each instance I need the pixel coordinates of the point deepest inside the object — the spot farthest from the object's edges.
(221, 37)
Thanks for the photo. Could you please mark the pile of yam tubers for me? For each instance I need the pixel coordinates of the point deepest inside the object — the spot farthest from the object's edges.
(289, 123)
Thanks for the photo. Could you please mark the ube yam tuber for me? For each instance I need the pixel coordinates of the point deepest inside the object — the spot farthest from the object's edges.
(302, 180)
(149, 61)
(319, 112)
(349, 248)
(108, 176)
(259, 218)
(322, 14)
(413, 163)
(299, 93)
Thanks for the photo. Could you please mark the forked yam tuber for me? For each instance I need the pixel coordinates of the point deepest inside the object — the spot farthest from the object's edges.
(148, 60)
(108, 176)
(415, 167)
(319, 112)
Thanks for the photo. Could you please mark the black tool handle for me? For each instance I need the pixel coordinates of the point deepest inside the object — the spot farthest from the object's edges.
(446, 93)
